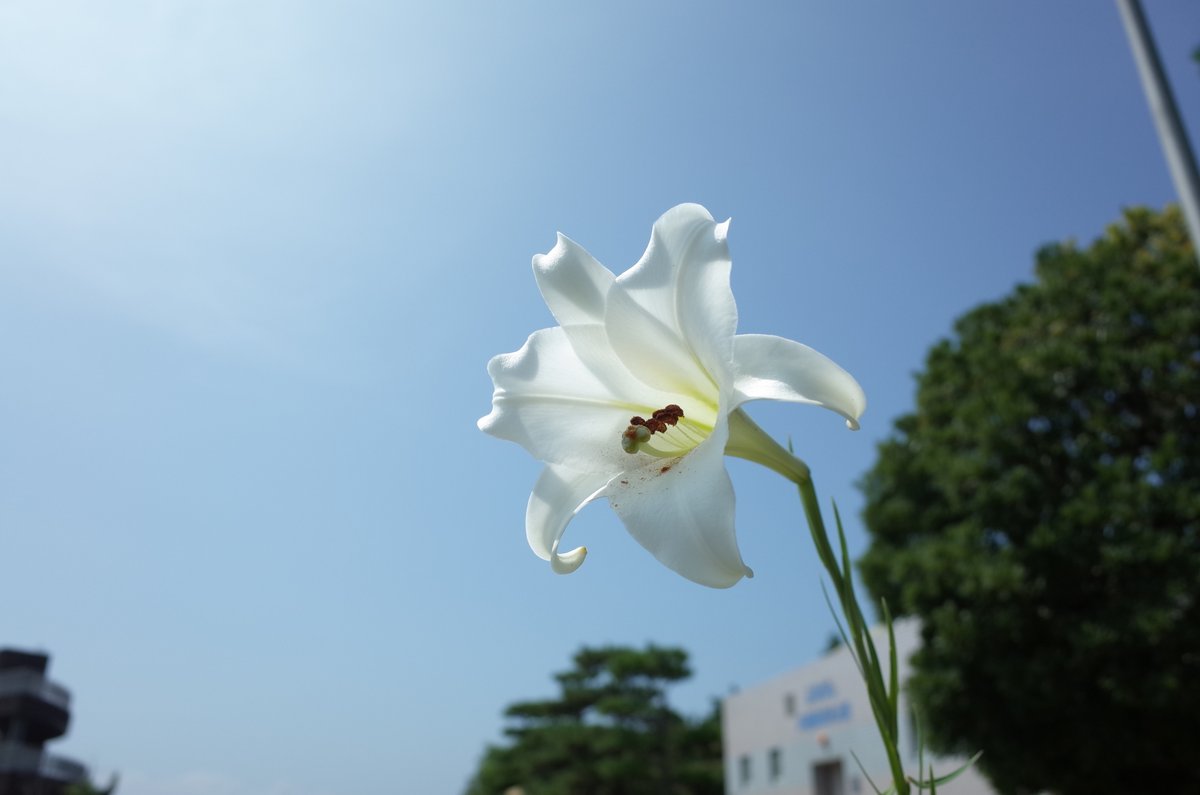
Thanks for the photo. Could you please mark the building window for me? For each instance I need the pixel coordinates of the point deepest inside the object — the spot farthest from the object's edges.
(789, 704)
(775, 763)
(744, 769)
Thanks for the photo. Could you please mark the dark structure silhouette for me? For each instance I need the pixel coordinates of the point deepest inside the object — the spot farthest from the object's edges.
(33, 711)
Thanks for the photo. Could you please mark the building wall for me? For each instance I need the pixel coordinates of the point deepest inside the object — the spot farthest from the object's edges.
(793, 734)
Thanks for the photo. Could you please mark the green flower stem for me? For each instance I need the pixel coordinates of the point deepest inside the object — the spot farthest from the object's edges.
(747, 440)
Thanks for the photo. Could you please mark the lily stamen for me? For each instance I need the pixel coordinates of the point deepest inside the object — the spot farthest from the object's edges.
(640, 429)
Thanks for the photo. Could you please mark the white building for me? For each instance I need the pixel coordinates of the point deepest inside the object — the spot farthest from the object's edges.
(793, 734)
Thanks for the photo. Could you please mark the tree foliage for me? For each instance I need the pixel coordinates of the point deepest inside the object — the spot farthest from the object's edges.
(87, 787)
(610, 731)
(1040, 512)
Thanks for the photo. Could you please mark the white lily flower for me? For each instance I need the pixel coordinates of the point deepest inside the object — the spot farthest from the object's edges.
(634, 397)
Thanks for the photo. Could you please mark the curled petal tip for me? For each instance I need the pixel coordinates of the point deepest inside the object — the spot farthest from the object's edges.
(568, 561)
(749, 573)
(853, 425)
(543, 262)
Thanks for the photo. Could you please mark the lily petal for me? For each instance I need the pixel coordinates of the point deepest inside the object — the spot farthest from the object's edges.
(573, 284)
(767, 367)
(558, 495)
(548, 401)
(681, 511)
(576, 287)
(671, 317)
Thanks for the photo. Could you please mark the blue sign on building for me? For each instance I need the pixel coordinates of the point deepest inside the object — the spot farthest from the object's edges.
(824, 716)
(821, 691)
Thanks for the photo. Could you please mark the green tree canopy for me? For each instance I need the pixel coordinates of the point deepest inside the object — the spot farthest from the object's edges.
(610, 731)
(87, 787)
(1040, 512)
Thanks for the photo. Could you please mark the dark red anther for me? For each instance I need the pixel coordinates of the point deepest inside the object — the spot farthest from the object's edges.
(659, 421)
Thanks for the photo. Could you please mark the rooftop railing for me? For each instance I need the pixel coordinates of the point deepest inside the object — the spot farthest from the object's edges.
(21, 759)
(21, 682)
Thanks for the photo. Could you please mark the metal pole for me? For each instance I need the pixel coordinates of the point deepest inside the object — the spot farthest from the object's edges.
(1180, 161)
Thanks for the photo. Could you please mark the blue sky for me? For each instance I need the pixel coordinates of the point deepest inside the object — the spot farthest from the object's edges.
(255, 257)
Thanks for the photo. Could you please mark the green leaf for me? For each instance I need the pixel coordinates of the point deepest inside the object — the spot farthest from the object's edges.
(866, 775)
(893, 672)
(932, 782)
